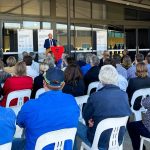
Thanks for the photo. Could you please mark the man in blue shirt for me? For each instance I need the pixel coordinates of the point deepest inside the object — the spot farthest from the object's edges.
(53, 110)
(131, 71)
(121, 70)
(7, 125)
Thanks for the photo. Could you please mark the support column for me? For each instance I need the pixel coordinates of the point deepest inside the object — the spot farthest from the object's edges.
(53, 16)
(137, 41)
(68, 27)
(1, 34)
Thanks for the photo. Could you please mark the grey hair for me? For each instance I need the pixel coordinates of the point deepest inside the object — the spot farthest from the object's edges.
(50, 61)
(32, 54)
(24, 53)
(87, 58)
(80, 57)
(94, 60)
(108, 75)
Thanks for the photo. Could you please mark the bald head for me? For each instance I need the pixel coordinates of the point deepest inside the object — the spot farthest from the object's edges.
(106, 54)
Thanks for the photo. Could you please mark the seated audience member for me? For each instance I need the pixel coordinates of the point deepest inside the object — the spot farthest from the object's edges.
(1, 54)
(18, 82)
(124, 54)
(122, 71)
(69, 61)
(53, 110)
(38, 81)
(108, 102)
(50, 62)
(74, 83)
(86, 68)
(3, 75)
(131, 71)
(64, 61)
(106, 55)
(92, 74)
(80, 60)
(140, 128)
(141, 81)
(30, 71)
(147, 62)
(7, 125)
(11, 61)
(126, 62)
(34, 65)
(22, 55)
(50, 54)
(122, 82)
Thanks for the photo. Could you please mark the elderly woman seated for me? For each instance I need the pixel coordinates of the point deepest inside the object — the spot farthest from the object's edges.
(108, 102)
(19, 81)
(141, 81)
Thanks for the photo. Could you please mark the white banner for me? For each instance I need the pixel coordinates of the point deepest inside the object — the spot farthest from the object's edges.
(42, 35)
(101, 40)
(25, 40)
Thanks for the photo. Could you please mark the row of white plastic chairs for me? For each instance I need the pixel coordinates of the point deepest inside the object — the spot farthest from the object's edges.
(80, 100)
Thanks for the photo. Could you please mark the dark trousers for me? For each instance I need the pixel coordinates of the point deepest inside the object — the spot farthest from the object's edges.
(136, 129)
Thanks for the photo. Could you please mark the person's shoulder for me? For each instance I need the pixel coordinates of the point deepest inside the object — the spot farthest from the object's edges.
(69, 98)
(29, 106)
(9, 112)
(27, 78)
(121, 77)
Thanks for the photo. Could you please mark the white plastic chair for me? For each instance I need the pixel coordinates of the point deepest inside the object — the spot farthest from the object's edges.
(92, 86)
(110, 123)
(137, 93)
(20, 94)
(142, 141)
(80, 101)
(6, 146)
(57, 137)
(39, 92)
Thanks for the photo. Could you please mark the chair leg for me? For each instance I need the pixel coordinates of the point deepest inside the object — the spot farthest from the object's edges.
(81, 148)
(141, 143)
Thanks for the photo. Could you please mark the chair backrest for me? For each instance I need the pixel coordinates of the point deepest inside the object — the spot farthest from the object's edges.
(6, 146)
(80, 101)
(57, 137)
(39, 92)
(110, 123)
(143, 93)
(92, 86)
(20, 95)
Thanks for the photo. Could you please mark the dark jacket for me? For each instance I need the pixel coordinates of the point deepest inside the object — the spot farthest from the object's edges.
(108, 102)
(91, 76)
(76, 90)
(38, 83)
(81, 63)
(136, 84)
(47, 43)
(101, 63)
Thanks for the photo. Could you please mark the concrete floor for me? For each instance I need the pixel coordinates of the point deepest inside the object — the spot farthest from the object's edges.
(128, 146)
(127, 143)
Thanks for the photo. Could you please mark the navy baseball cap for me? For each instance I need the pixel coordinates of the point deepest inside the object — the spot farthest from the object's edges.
(54, 77)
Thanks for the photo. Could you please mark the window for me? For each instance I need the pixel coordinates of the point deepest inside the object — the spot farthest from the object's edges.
(31, 25)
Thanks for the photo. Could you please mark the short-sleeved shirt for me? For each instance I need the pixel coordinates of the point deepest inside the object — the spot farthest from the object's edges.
(7, 125)
(53, 110)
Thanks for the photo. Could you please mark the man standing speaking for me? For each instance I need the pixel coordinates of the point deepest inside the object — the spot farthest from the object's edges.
(49, 42)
